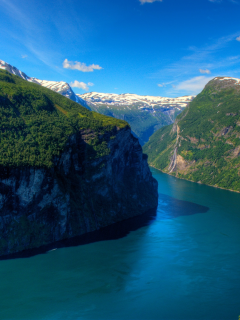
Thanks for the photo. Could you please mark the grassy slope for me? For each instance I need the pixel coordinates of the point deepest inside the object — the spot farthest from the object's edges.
(209, 139)
(35, 123)
(143, 123)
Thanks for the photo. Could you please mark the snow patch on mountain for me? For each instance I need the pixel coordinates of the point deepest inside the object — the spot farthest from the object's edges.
(128, 99)
(58, 86)
(237, 81)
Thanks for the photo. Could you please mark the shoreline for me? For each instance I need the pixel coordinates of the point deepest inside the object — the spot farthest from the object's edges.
(194, 181)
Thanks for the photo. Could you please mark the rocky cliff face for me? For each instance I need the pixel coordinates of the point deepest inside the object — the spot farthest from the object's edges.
(77, 195)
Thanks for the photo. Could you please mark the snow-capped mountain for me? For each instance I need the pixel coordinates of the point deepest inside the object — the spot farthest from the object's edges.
(145, 114)
(63, 88)
(129, 99)
(58, 86)
(228, 80)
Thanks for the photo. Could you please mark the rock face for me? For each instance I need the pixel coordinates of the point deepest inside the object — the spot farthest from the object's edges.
(77, 195)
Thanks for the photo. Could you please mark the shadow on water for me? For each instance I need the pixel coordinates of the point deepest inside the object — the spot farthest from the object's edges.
(113, 232)
(170, 208)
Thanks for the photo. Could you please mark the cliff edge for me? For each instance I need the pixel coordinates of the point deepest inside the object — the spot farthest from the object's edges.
(93, 175)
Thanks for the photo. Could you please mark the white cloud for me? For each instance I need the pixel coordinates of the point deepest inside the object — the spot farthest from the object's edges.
(75, 65)
(24, 56)
(187, 66)
(81, 85)
(204, 71)
(149, 1)
(238, 38)
(161, 85)
(194, 85)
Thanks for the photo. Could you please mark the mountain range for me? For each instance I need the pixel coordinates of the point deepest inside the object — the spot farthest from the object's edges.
(145, 114)
(203, 144)
(58, 86)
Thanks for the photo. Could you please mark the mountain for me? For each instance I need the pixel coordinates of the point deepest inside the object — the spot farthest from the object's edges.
(64, 170)
(60, 87)
(203, 145)
(145, 114)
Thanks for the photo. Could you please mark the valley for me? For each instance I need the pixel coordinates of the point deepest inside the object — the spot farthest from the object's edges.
(145, 114)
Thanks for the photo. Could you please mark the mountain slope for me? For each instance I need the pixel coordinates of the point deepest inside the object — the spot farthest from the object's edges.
(203, 145)
(60, 87)
(145, 114)
(64, 170)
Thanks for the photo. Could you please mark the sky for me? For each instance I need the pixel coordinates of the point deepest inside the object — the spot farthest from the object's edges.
(147, 47)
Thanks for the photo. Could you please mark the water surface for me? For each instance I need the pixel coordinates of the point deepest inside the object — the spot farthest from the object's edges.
(181, 264)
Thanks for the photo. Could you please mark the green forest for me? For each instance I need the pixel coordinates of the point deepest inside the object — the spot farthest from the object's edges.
(209, 138)
(37, 122)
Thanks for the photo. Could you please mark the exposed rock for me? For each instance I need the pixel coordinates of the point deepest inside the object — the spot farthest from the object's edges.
(78, 195)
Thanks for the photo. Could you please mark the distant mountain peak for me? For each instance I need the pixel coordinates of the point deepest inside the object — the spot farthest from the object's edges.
(97, 98)
(61, 87)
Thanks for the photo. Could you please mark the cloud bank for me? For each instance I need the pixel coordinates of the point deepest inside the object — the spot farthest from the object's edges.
(81, 85)
(75, 65)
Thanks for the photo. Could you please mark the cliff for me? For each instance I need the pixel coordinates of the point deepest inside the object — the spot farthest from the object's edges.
(203, 145)
(93, 175)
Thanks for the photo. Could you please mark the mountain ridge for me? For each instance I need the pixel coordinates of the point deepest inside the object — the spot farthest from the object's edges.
(131, 98)
(145, 114)
(61, 87)
(203, 145)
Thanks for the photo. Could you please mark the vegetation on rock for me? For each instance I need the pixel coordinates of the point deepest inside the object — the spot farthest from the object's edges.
(205, 138)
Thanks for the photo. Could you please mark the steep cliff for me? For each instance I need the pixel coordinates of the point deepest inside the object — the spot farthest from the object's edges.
(203, 145)
(92, 175)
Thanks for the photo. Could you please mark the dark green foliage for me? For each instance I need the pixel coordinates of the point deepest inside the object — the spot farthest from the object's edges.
(35, 123)
(209, 138)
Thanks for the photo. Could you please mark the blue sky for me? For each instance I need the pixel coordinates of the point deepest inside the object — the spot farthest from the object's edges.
(148, 47)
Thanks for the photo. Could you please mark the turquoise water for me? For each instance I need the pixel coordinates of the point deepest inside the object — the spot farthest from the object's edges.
(183, 265)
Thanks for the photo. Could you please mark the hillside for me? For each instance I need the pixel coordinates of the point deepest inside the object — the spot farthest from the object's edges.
(36, 123)
(203, 145)
(145, 114)
(64, 170)
(58, 86)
